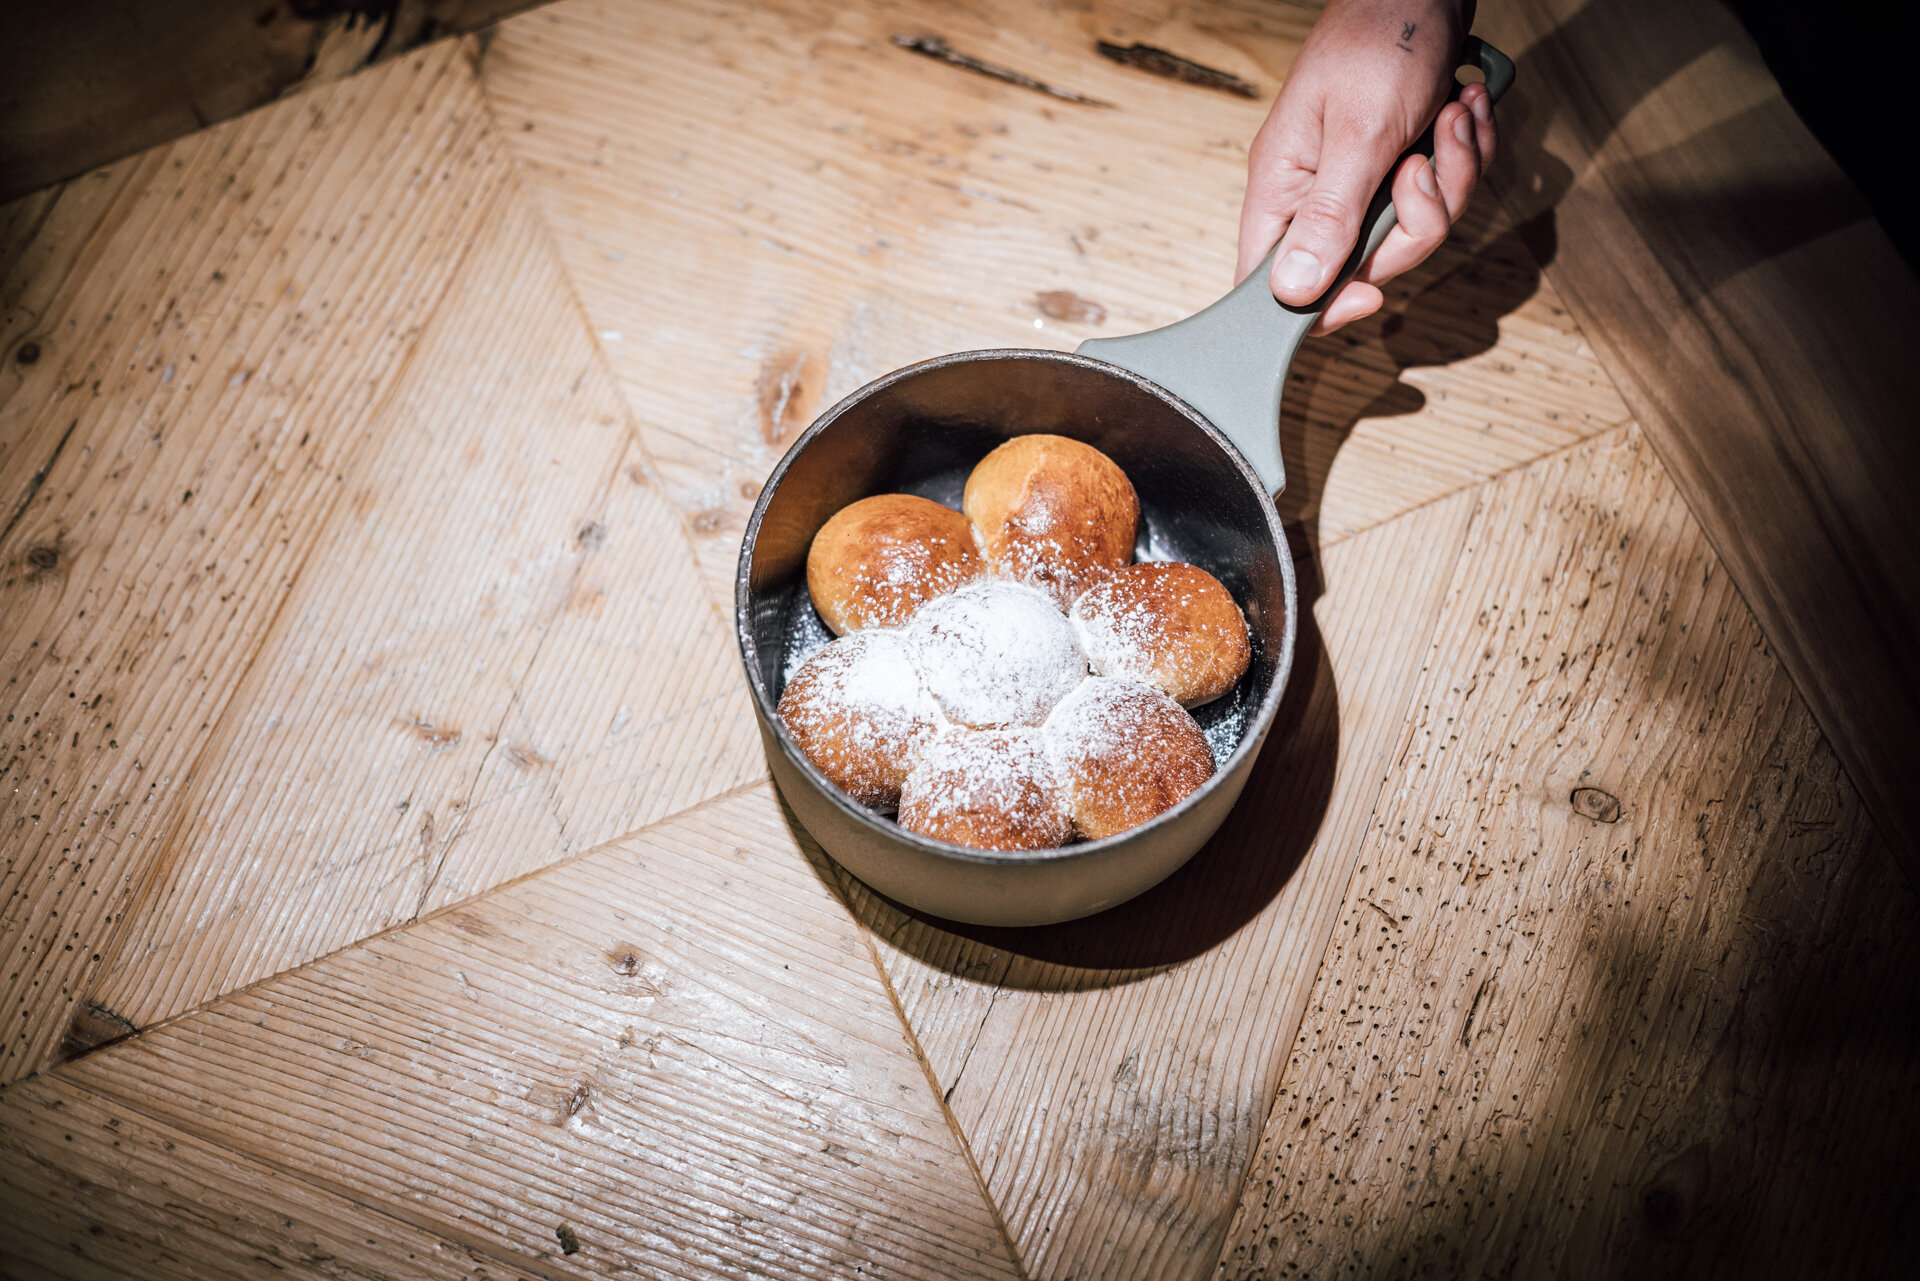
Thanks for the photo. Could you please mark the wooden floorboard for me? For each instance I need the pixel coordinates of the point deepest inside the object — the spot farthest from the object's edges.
(827, 244)
(1760, 324)
(89, 82)
(379, 780)
(676, 1046)
(498, 654)
(224, 325)
(91, 1188)
(1625, 984)
(752, 237)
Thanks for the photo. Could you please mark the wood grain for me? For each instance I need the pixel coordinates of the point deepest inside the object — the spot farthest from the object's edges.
(93, 1189)
(89, 82)
(1760, 325)
(415, 729)
(348, 469)
(676, 1045)
(1472, 368)
(229, 311)
(763, 208)
(1660, 1027)
(1111, 1075)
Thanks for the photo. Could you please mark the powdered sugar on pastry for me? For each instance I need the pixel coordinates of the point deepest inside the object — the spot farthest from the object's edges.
(1169, 625)
(988, 788)
(1052, 512)
(996, 654)
(1125, 753)
(861, 713)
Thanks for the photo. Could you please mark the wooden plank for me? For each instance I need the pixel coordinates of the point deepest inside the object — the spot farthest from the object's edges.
(1658, 1027)
(93, 1189)
(677, 1046)
(1111, 1074)
(1473, 367)
(227, 320)
(86, 83)
(763, 208)
(634, 708)
(444, 682)
(1760, 325)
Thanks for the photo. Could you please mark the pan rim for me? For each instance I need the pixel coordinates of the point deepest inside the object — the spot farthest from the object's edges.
(1252, 739)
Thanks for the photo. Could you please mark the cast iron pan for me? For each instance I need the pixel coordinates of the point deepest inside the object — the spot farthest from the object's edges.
(1190, 412)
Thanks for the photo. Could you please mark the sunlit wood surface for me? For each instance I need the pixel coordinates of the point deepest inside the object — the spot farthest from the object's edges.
(392, 882)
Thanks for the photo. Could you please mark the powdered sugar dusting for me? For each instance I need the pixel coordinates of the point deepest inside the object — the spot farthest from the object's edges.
(806, 635)
(862, 714)
(1125, 754)
(997, 654)
(968, 704)
(1224, 722)
(1169, 625)
(988, 788)
(1119, 637)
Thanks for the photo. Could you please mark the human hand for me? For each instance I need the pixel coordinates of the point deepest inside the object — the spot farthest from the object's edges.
(1369, 78)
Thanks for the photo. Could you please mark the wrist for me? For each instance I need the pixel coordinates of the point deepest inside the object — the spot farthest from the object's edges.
(1446, 19)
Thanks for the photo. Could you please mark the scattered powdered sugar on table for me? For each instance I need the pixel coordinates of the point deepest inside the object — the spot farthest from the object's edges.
(997, 654)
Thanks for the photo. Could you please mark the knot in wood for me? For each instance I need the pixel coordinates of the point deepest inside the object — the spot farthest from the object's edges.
(1592, 803)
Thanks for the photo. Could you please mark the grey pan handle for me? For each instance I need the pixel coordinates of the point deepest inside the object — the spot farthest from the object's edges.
(1230, 361)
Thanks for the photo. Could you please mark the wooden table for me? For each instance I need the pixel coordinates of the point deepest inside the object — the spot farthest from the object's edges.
(393, 884)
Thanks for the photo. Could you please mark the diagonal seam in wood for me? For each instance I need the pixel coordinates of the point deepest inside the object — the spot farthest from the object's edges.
(472, 50)
(945, 1097)
(456, 905)
(147, 879)
(686, 534)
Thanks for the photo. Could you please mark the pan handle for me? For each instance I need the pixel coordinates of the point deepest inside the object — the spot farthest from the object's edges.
(1230, 361)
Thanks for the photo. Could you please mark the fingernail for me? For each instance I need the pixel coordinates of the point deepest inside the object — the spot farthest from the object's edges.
(1297, 270)
(1423, 177)
(1463, 129)
(1482, 107)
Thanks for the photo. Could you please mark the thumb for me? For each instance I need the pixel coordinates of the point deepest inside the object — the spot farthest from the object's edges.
(1326, 224)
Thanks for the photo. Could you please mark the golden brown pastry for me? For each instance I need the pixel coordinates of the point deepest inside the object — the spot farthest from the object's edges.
(992, 789)
(861, 713)
(1052, 512)
(881, 558)
(1125, 754)
(1168, 625)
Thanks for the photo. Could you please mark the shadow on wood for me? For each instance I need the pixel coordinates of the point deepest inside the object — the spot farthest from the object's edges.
(1443, 312)
(1758, 323)
(87, 82)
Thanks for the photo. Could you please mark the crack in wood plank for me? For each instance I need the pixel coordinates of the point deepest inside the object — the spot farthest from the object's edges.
(1171, 66)
(937, 48)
